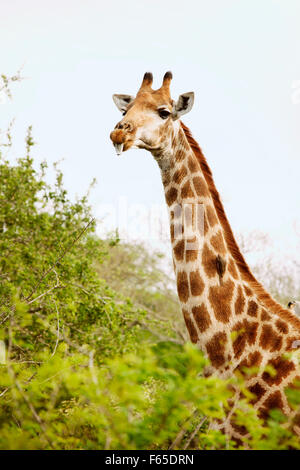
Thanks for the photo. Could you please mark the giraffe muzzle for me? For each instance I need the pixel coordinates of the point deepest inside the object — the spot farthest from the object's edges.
(118, 137)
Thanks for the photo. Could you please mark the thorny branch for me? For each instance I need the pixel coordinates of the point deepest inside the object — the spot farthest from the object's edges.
(67, 249)
(52, 268)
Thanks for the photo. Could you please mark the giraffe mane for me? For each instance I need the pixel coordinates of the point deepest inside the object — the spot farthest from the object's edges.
(233, 247)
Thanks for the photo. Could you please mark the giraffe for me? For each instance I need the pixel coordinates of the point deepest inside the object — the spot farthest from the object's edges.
(227, 312)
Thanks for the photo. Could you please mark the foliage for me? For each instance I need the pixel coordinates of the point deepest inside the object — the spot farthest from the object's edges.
(135, 272)
(7, 81)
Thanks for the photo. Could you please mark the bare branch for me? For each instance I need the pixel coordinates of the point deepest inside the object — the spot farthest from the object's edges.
(154, 333)
(195, 432)
(57, 337)
(60, 258)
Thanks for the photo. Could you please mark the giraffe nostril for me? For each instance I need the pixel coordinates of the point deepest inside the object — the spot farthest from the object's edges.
(124, 125)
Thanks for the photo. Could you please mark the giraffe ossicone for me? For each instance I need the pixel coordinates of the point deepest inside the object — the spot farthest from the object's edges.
(227, 312)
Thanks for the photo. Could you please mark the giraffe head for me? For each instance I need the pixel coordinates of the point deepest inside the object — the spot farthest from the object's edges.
(149, 117)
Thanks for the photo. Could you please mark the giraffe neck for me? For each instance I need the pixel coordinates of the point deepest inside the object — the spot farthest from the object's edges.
(227, 312)
(216, 290)
(198, 244)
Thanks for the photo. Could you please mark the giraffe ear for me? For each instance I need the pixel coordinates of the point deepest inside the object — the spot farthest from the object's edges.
(122, 101)
(184, 105)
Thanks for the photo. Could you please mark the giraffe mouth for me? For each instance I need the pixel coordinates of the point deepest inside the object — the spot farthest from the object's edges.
(118, 148)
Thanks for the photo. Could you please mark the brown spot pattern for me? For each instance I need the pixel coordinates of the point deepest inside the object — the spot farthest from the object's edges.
(283, 368)
(190, 326)
(265, 316)
(232, 269)
(179, 154)
(254, 360)
(252, 308)
(191, 255)
(246, 333)
(179, 175)
(240, 302)
(179, 250)
(200, 186)
(196, 283)
(172, 232)
(217, 242)
(248, 291)
(282, 326)
(166, 178)
(220, 297)
(242, 430)
(251, 330)
(186, 191)
(239, 342)
(269, 339)
(211, 216)
(182, 286)
(216, 349)
(171, 196)
(185, 144)
(202, 318)
(209, 261)
(258, 391)
(193, 165)
(274, 401)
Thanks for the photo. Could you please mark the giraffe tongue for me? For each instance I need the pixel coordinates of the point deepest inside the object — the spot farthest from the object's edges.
(119, 148)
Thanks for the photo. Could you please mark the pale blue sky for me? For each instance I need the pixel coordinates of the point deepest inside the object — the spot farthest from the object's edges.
(240, 57)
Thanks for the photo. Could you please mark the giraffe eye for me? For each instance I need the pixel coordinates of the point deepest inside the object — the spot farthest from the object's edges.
(124, 112)
(164, 113)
